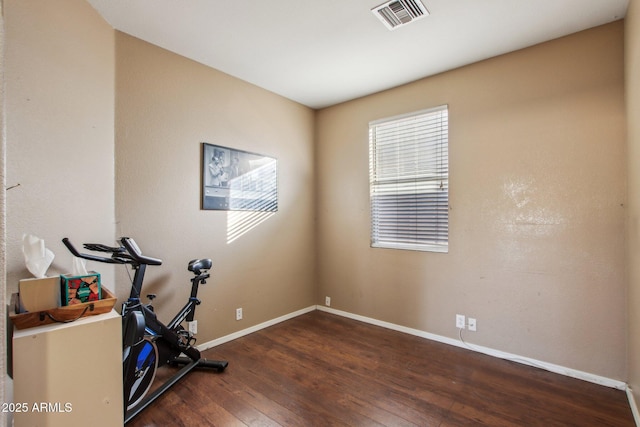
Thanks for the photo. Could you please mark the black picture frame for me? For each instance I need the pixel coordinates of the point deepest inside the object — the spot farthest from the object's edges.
(237, 180)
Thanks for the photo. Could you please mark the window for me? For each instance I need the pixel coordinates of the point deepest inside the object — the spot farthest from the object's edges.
(409, 181)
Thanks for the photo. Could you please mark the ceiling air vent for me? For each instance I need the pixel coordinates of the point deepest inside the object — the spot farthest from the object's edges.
(396, 13)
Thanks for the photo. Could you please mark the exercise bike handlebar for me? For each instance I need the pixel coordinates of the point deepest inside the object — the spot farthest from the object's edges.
(90, 257)
(129, 254)
(136, 254)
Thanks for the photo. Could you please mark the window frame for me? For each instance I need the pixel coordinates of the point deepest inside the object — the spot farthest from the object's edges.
(417, 183)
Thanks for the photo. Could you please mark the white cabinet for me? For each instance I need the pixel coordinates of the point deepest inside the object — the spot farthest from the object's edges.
(69, 374)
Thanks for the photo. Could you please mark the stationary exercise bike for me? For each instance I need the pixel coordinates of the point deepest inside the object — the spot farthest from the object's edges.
(147, 343)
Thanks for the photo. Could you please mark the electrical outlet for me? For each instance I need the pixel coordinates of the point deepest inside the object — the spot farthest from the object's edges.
(460, 321)
(193, 326)
(471, 324)
(238, 313)
(327, 301)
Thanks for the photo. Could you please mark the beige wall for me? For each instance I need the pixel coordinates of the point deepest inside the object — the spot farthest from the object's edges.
(632, 72)
(537, 188)
(166, 106)
(5, 389)
(58, 115)
(59, 77)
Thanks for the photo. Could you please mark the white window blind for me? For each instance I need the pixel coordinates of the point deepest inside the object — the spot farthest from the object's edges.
(409, 181)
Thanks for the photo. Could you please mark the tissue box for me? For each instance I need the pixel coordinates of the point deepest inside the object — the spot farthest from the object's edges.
(39, 294)
(80, 289)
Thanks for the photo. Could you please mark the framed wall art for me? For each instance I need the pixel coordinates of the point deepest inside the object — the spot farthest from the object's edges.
(238, 180)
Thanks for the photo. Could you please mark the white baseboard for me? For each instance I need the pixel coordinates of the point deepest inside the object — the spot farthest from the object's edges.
(485, 350)
(236, 335)
(573, 373)
(634, 407)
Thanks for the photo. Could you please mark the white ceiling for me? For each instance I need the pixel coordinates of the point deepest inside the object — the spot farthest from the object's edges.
(323, 52)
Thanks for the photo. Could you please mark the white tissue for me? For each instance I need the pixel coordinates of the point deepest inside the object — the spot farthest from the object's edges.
(79, 267)
(36, 257)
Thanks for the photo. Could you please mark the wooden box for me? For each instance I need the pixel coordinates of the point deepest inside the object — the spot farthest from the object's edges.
(64, 314)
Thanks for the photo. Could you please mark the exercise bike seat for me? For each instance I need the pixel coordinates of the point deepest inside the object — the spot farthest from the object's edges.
(197, 265)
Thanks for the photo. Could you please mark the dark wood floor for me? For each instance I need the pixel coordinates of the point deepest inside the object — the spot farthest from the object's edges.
(324, 370)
